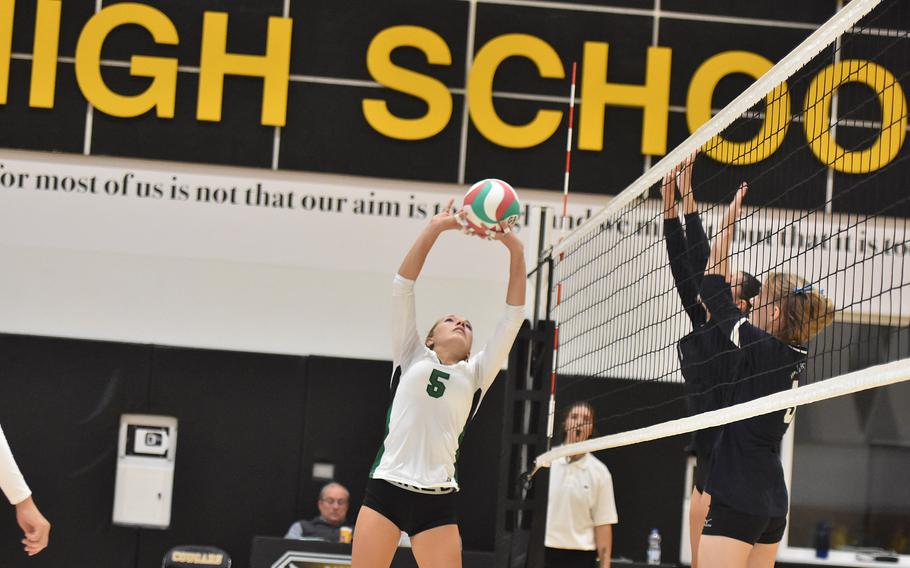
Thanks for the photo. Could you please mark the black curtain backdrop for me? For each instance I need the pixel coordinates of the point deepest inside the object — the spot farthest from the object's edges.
(250, 428)
(649, 478)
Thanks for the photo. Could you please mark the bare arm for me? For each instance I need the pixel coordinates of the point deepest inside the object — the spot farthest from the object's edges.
(684, 180)
(719, 260)
(515, 293)
(686, 280)
(406, 342)
(491, 358)
(11, 481)
(603, 539)
(668, 192)
(413, 261)
(34, 526)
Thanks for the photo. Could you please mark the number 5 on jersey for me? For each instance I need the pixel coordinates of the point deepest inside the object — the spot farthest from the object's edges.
(437, 388)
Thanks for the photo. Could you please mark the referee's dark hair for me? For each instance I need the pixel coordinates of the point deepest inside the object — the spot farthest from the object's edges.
(568, 410)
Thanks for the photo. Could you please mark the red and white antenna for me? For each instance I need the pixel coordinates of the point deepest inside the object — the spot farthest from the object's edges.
(565, 183)
(551, 410)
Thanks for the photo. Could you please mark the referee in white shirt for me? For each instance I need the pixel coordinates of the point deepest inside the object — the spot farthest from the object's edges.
(581, 510)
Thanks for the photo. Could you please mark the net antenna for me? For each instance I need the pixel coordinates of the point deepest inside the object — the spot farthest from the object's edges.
(551, 407)
(616, 311)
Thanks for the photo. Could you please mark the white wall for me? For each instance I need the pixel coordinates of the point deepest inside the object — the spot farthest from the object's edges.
(165, 271)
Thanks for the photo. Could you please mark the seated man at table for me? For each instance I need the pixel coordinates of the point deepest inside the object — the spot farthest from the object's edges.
(333, 510)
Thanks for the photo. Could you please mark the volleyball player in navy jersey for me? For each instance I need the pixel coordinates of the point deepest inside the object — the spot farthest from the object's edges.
(701, 367)
(749, 501)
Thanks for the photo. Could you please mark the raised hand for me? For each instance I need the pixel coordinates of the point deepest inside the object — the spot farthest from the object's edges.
(504, 234)
(668, 192)
(734, 210)
(684, 181)
(719, 260)
(446, 219)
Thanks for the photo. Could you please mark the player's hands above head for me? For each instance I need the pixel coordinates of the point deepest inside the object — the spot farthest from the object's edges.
(668, 192)
(506, 235)
(734, 210)
(447, 219)
(683, 175)
(35, 527)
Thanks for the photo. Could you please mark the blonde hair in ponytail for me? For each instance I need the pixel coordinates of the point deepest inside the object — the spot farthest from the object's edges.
(804, 312)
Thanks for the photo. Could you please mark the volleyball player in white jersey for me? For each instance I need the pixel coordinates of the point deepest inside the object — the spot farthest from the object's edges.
(30, 519)
(436, 385)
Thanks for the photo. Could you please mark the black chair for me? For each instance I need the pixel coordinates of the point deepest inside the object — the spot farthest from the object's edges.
(196, 557)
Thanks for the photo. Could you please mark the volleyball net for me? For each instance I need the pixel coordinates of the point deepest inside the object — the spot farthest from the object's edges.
(820, 140)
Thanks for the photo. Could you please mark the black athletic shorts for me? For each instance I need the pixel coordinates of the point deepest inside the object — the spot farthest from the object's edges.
(561, 558)
(751, 529)
(411, 512)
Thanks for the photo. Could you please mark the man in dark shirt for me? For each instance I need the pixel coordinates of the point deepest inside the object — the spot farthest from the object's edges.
(333, 510)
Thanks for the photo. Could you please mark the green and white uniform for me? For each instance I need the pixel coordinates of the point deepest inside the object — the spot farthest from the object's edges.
(11, 480)
(432, 403)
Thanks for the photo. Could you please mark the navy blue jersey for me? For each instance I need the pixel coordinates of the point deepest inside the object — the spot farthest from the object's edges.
(706, 357)
(698, 350)
(688, 253)
(747, 474)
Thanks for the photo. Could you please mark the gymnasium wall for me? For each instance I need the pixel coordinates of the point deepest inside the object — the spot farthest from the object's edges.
(173, 247)
(251, 426)
(646, 477)
(201, 205)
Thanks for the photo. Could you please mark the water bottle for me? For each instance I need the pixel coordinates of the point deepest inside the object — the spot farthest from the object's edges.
(822, 539)
(653, 548)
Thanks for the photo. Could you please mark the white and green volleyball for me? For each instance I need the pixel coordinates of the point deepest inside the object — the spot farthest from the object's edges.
(489, 202)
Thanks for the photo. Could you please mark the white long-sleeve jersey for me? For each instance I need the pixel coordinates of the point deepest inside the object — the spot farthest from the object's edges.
(11, 481)
(432, 403)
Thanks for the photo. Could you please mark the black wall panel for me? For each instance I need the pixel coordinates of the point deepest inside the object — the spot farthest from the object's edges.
(345, 414)
(648, 478)
(60, 407)
(239, 440)
(247, 24)
(250, 428)
(326, 130)
(59, 129)
(331, 38)
(238, 139)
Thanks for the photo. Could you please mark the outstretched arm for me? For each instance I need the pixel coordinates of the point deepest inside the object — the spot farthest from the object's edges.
(684, 180)
(515, 293)
(413, 261)
(719, 259)
(697, 246)
(496, 350)
(406, 343)
(715, 290)
(680, 265)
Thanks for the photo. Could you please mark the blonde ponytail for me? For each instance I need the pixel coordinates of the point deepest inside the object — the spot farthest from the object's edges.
(804, 311)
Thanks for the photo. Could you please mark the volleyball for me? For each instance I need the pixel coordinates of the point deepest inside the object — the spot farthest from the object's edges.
(489, 202)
